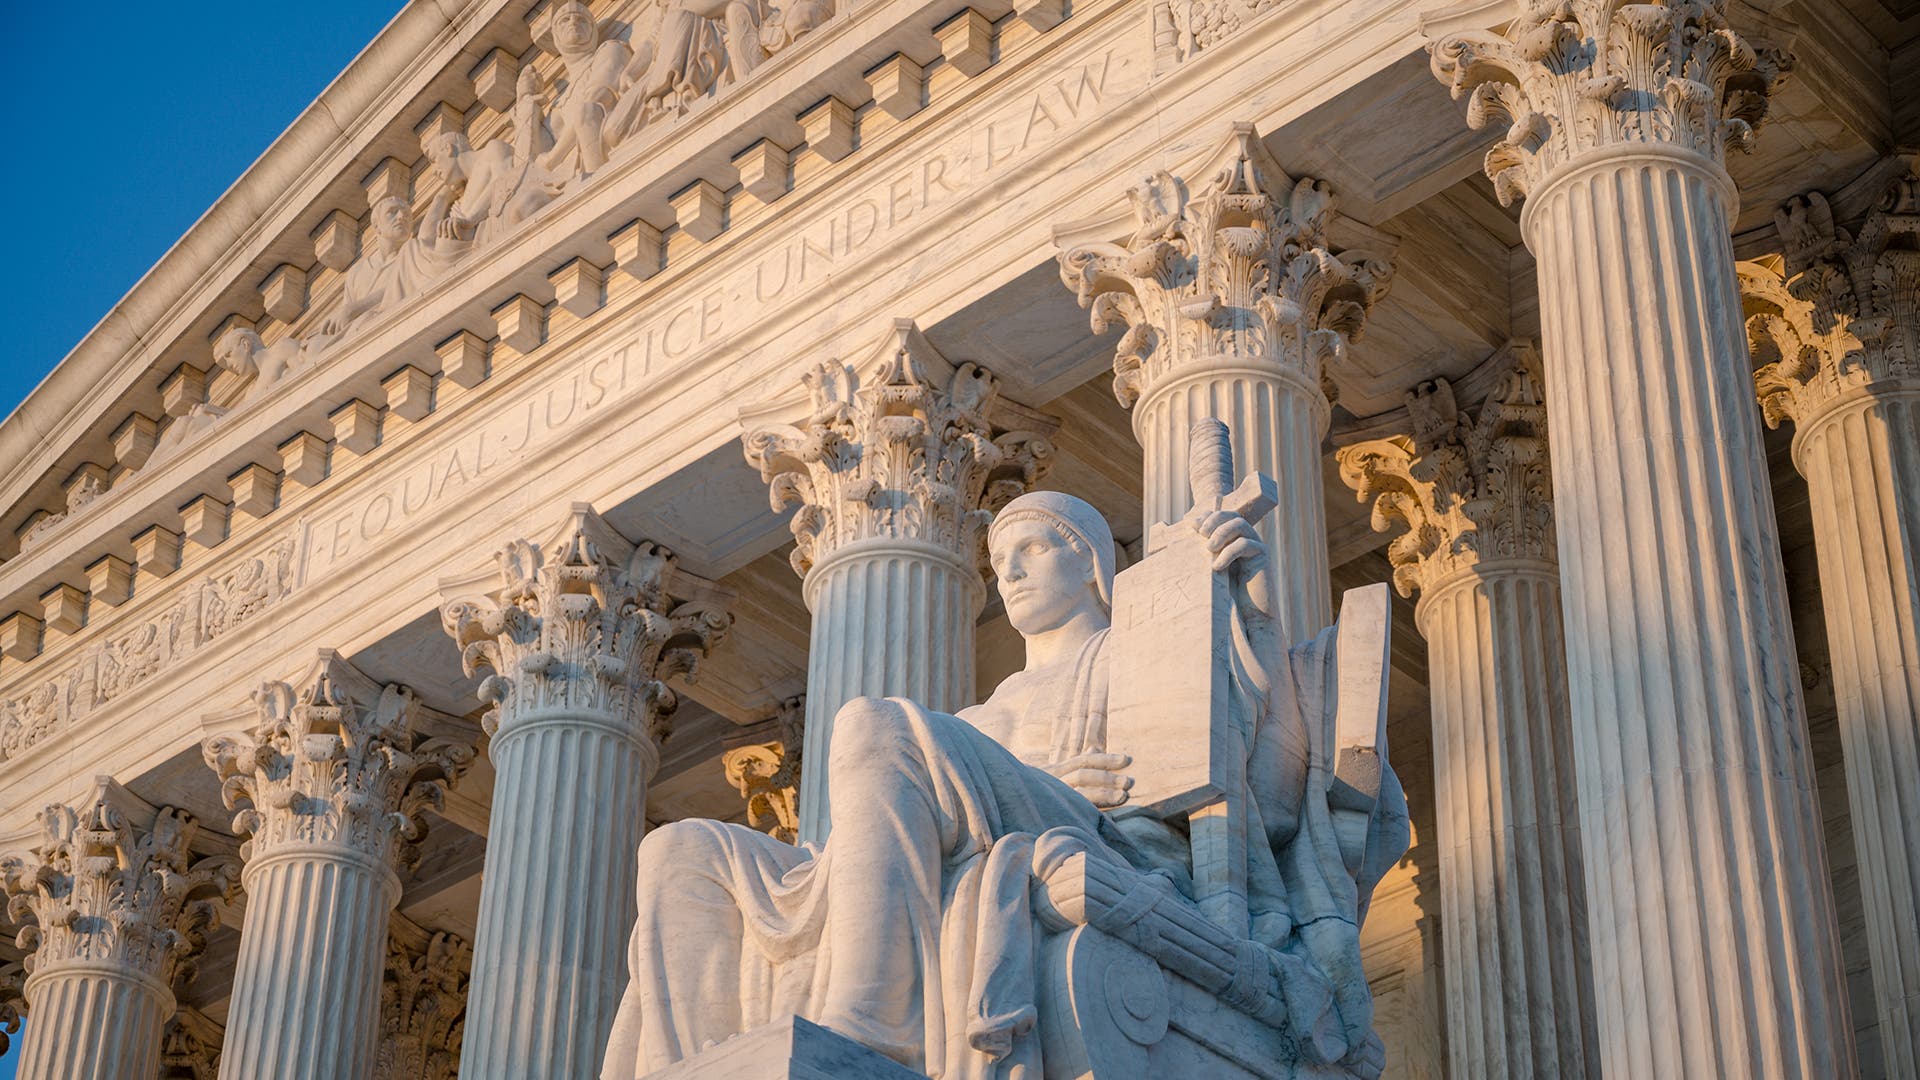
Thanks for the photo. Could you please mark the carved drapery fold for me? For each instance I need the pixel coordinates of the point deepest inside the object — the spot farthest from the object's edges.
(113, 916)
(1467, 487)
(1574, 76)
(899, 449)
(423, 1004)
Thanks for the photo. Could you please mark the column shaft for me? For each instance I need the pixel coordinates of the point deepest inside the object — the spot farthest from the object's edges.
(1276, 422)
(891, 618)
(557, 900)
(1513, 905)
(92, 1022)
(306, 986)
(1861, 459)
(1713, 933)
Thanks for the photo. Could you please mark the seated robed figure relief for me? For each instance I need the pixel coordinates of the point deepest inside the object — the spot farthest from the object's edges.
(916, 929)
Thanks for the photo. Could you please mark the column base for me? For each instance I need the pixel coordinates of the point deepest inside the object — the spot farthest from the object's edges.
(787, 1049)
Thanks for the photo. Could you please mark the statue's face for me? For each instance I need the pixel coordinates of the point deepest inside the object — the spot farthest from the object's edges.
(391, 219)
(1044, 580)
(573, 29)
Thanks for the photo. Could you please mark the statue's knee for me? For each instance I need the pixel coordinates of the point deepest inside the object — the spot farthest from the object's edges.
(675, 846)
(863, 732)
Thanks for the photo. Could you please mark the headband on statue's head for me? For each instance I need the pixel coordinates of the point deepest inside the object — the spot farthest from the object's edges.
(1077, 520)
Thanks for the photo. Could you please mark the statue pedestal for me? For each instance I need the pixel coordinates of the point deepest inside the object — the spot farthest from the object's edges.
(787, 1049)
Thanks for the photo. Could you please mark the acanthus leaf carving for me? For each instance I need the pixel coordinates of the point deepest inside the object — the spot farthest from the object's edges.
(894, 450)
(1571, 76)
(13, 980)
(1843, 312)
(584, 623)
(423, 1003)
(763, 764)
(190, 1047)
(99, 889)
(1240, 268)
(334, 761)
(1468, 488)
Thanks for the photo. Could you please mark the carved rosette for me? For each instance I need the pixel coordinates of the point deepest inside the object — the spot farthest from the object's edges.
(335, 763)
(1239, 270)
(584, 624)
(190, 1048)
(766, 771)
(1573, 76)
(423, 1004)
(1845, 313)
(98, 891)
(894, 451)
(1468, 488)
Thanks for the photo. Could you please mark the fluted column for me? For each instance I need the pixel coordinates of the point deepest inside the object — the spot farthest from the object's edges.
(1235, 301)
(896, 472)
(1712, 926)
(334, 783)
(112, 916)
(579, 634)
(1837, 335)
(1472, 491)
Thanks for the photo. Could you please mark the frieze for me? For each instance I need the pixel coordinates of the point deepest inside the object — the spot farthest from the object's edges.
(130, 655)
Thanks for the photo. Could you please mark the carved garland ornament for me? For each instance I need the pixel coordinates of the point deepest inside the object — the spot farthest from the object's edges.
(895, 454)
(1468, 488)
(584, 624)
(1576, 75)
(124, 660)
(334, 763)
(1846, 313)
(1242, 269)
(97, 889)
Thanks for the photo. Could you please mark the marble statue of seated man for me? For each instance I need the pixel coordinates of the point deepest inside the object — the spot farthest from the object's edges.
(912, 930)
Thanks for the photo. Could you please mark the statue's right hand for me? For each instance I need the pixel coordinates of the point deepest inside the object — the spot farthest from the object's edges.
(1097, 776)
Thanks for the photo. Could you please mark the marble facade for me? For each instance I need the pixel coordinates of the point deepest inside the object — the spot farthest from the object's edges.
(580, 404)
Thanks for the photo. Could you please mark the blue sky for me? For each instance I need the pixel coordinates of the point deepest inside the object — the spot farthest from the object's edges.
(125, 122)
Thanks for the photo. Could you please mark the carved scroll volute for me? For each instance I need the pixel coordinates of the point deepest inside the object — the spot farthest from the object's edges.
(99, 889)
(1836, 312)
(1238, 265)
(423, 1003)
(904, 447)
(1577, 76)
(1468, 488)
(334, 761)
(587, 622)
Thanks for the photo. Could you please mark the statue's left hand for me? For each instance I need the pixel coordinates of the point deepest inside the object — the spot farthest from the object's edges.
(1097, 776)
(1230, 537)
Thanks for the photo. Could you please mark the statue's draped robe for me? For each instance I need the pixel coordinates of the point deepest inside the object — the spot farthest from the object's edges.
(911, 930)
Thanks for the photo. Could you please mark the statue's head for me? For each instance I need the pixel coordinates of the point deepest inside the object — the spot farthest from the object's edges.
(573, 28)
(444, 150)
(392, 220)
(236, 348)
(1053, 555)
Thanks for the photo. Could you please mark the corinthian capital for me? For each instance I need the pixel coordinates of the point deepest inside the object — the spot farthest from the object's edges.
(1571, 76)
(904, 447)
(97, 889)
(762, 762)
(423, 1003)
(334, 761)
(1836, 312)
(190, 1047)
(1468, 488)
(1236, 267)
(587, 622)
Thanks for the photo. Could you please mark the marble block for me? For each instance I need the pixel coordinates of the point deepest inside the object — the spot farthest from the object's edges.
(787, 1049)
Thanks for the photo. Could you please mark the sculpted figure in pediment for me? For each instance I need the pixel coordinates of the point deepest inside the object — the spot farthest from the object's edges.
(577, 115)
(241, 351)
(498, 184)
(686, 48)
(399, 263)
(972, 854)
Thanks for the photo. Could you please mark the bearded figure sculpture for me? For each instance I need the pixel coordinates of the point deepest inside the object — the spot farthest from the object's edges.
(995, 875)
